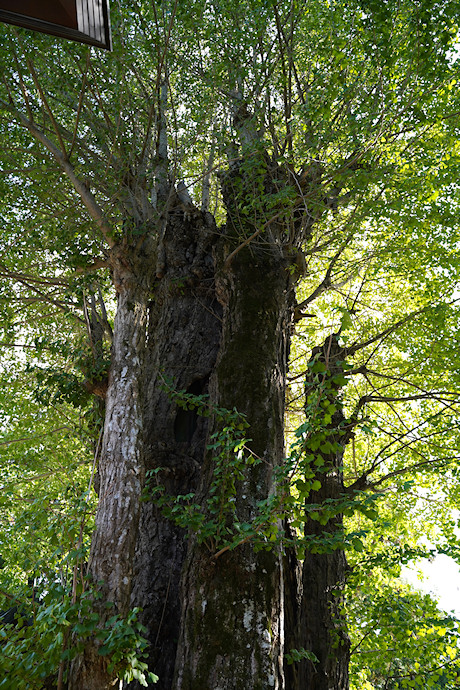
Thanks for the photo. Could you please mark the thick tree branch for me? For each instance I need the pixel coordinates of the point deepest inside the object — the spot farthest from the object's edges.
(326, 282)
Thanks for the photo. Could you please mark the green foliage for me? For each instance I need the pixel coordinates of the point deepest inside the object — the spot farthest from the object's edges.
(121, 640)
(299, 654)
(355, 103)
(400, 639)
(43, 575)
(52, 629)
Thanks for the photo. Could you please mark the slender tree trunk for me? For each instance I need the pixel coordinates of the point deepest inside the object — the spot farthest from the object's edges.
(315, 620)
(321, 622)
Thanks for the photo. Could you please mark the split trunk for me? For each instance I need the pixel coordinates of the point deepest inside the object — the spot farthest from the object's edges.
(219, 328)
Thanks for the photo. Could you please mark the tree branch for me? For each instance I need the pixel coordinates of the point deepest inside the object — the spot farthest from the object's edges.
(90, 203)
(380, 336)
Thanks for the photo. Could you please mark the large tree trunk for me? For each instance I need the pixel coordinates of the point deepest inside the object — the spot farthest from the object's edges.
(221, 327)
(183, 340)
(232, 628)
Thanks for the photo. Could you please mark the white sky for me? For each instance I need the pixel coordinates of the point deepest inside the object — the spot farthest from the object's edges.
(441, 577)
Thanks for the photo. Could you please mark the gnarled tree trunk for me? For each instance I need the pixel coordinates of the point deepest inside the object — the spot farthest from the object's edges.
(184, 334)
(232, 629)
(205, 324)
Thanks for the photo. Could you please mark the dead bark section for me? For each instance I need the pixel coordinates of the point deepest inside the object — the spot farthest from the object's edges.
(122, 466)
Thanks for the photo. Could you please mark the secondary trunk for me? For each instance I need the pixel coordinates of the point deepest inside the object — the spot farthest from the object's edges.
(315, 621)
(121, 466)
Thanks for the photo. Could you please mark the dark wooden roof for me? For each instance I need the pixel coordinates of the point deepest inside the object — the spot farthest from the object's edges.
(86, 21)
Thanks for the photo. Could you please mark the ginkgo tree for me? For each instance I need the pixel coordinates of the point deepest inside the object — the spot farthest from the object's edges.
(229, 263)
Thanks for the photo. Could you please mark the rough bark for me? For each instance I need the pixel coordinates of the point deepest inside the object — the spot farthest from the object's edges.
(121, 466)
(232, 629)
(183, 339)
(315, 620)
(321, 622)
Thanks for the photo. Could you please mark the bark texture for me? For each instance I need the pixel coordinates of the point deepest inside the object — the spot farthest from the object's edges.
(183, 339)
(121, 466)
(232, 629)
